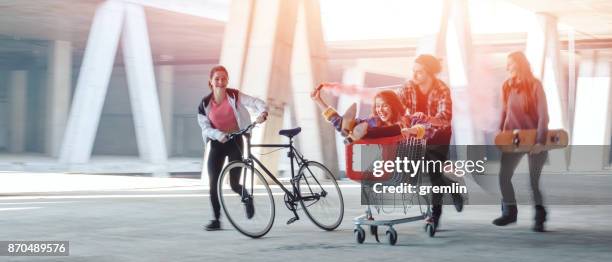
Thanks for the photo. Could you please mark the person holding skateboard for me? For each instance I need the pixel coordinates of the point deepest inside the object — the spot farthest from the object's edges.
(523, 107)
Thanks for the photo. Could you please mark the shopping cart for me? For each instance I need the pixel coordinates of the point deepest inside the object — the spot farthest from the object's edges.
(360, 158)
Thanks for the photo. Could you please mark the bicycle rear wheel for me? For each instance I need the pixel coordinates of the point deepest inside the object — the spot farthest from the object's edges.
(240, 183)
(321, 197)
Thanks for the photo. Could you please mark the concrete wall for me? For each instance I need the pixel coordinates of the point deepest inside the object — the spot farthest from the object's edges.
(116, 134)
(191, 84)
(35, 124)
(3, 110)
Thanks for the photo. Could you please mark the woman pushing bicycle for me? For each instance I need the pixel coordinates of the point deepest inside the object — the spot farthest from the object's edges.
(221, 113)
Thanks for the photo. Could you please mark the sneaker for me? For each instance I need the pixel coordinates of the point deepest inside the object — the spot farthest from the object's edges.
(213, 226)
(249, 207)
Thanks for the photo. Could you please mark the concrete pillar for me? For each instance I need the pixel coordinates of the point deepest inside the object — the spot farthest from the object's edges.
(453, 44)
(141, 86)
(18, 85)
(59, 88)
(435, 44)
(308, 68)
(235, 47)
(459, 57)
(165, 80)
(236, 40)
(92, 83)
(571, 76)
(266, 71)
(95, 75)
(351, 76)
(593, 115)
(543, 53)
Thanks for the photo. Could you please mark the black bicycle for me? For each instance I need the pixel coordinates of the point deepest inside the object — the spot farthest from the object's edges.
(248, 200)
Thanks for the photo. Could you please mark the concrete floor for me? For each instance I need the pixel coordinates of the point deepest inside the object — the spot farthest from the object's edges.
(165, 225)
(34, 162)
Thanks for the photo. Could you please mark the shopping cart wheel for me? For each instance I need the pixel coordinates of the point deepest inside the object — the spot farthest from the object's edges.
(359, 234)
(431, 230)
(392, 236)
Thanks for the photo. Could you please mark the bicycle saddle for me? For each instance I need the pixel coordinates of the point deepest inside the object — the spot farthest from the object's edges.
(290, 132)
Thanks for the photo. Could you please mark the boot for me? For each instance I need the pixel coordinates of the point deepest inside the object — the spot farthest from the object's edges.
(357, 133)
(348, 120)
(540, 218)
(509, 213)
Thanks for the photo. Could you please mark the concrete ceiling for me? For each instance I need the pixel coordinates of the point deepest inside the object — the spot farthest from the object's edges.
(591, 18)
(26, 27)
(46, 19)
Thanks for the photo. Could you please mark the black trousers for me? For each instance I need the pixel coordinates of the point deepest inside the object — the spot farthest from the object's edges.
(509, 161)
(231, 149)
(439, 153)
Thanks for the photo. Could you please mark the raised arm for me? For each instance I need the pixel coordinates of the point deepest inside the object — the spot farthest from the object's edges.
(329, 113)
(316, 97)
(259, 106)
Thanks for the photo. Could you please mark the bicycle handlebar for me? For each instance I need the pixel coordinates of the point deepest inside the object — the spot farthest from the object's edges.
(241, 132)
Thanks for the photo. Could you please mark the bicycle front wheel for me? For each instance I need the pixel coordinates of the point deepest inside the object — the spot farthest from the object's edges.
(320, 195)
(246, 199)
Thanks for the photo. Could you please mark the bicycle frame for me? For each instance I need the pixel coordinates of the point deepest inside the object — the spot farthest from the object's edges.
(294, 156)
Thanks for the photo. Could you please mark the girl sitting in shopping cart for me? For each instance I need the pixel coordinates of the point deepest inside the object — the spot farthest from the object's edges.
(387, 118)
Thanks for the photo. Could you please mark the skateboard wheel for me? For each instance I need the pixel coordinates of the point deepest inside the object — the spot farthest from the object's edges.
(555, 139)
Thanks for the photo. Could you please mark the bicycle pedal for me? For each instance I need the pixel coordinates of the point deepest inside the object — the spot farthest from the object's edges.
(291, 220)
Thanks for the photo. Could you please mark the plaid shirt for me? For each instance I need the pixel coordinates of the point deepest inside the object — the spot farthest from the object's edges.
(439, 103)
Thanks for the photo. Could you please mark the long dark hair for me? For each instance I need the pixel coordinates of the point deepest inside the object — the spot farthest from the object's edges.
(393, 100)
(524, 80)
(217, 68)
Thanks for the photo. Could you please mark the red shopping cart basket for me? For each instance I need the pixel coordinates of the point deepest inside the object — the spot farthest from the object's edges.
(361, 154)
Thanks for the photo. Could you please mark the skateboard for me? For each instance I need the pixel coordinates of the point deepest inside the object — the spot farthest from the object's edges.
(521, 140)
